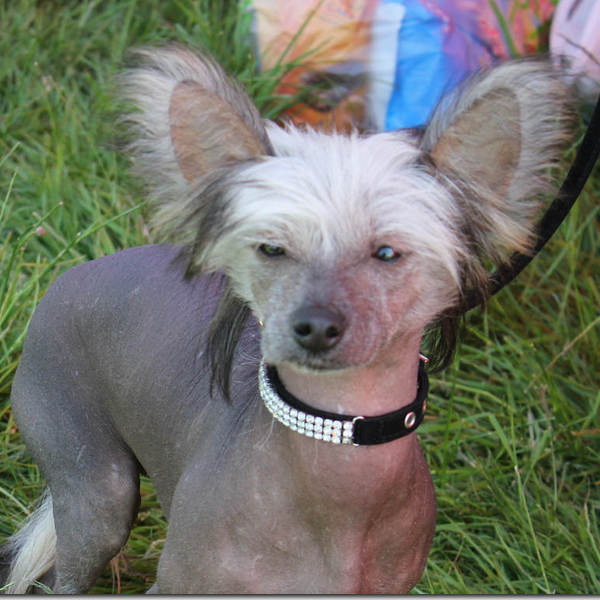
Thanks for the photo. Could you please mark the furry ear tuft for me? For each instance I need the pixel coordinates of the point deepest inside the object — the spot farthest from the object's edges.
(189, 126)
(494, 140)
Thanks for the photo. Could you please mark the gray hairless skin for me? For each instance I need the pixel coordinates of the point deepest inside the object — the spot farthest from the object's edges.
(252, 507)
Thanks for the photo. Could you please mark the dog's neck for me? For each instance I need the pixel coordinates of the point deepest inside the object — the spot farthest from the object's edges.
(357, 504)
(386, 384)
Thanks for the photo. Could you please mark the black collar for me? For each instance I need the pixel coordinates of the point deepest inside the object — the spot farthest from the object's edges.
(340, 428)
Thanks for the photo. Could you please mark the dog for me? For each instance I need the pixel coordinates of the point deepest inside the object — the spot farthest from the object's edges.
(262, 365)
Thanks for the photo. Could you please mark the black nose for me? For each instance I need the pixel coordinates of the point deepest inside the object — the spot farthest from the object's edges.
(317, 328)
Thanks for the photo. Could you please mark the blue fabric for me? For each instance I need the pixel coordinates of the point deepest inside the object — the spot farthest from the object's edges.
(436, 49)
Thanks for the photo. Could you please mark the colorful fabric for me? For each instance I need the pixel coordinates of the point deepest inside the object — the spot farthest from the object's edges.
(383, 64)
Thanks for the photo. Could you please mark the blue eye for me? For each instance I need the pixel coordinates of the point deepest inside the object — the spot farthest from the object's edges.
(271, 250)
(387, 254)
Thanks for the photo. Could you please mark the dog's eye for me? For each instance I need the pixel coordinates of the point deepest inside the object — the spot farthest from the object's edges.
(387, 254)
(271, 250)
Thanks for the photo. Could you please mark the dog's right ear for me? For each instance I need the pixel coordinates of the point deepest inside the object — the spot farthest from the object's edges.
(189, 123)
(208, 132)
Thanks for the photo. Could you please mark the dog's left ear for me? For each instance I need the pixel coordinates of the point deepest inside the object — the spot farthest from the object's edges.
(493, 141)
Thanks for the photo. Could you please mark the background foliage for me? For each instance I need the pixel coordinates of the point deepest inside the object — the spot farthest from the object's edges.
(512, 433)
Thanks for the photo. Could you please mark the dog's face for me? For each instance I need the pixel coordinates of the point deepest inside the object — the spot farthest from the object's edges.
(342, 244)
(339, 245)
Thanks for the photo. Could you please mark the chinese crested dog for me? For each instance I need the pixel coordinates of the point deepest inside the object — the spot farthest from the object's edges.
(264, 369)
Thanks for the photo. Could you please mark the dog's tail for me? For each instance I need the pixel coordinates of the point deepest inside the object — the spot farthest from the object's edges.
(30, 552)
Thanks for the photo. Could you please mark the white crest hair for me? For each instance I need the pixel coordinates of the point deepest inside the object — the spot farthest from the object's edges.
(327, 193)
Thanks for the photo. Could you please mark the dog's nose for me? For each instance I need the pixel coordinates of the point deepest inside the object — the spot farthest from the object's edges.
(317, 328)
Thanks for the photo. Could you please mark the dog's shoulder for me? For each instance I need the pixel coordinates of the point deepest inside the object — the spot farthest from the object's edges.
(122, 290)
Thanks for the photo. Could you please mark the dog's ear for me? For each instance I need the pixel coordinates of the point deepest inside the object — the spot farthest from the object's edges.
(493, 141)
(210, 131)
(187, 124)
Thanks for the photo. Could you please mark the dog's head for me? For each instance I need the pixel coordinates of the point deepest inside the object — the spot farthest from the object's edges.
(339, 244)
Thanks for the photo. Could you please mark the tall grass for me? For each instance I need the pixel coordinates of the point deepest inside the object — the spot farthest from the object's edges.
(512, 433)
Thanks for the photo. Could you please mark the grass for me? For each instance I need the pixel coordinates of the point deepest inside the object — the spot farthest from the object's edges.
(512, 434)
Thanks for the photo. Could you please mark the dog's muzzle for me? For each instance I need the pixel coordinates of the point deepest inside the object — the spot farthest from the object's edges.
(338, 428)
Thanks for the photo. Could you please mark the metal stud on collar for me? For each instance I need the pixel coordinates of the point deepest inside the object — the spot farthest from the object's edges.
(409, 419)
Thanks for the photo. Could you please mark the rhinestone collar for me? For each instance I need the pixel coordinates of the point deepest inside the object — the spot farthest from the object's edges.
(338, 428)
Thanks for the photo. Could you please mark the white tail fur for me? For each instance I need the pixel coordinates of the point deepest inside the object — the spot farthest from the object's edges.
(33, 547)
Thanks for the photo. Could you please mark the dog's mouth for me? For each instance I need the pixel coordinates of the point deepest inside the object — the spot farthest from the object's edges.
(317, 363)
